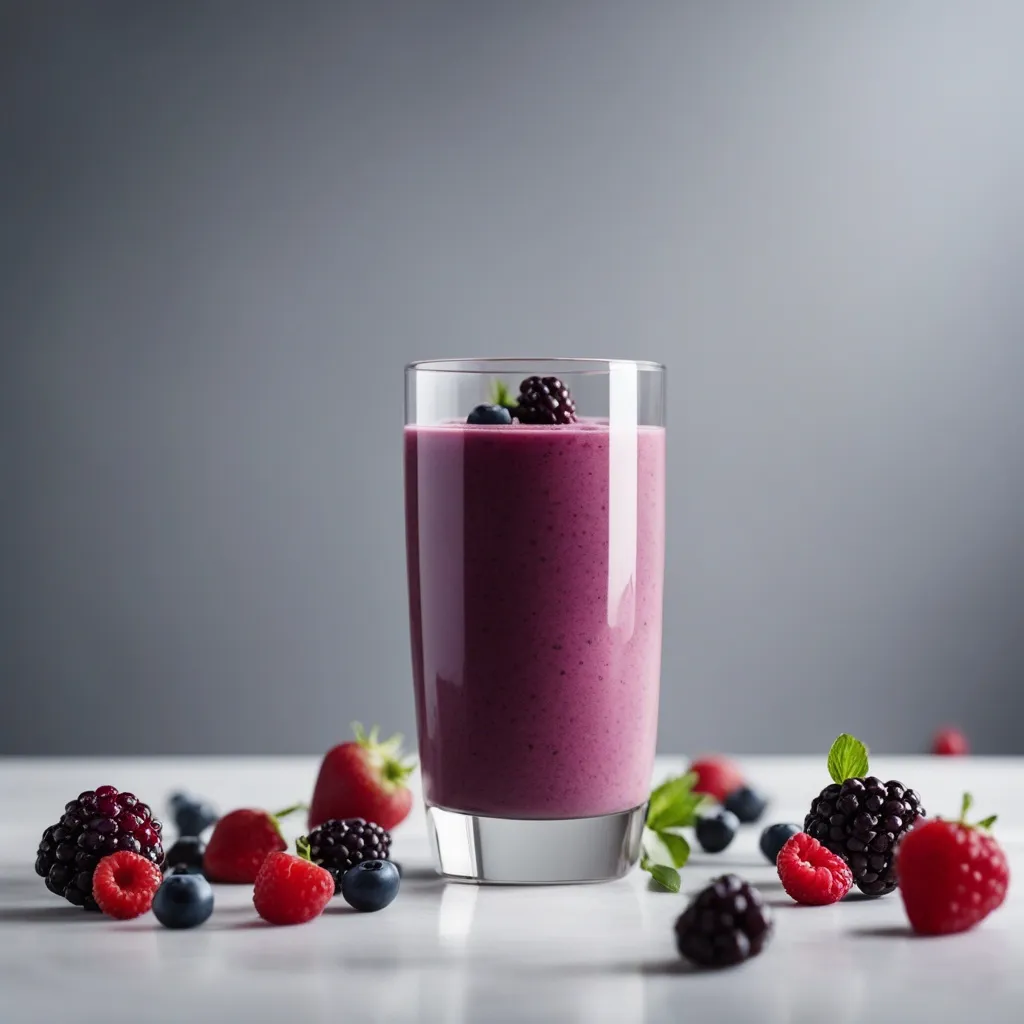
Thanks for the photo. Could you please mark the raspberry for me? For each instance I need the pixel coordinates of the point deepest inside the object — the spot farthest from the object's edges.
(811, 874)
(725, 924)
(544, 400)
(123, 885)
(291, 890)
(339, 845)
(952, 875)
(99, 822)
(716, 776)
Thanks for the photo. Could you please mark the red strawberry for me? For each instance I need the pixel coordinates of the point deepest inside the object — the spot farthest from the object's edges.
(716, 776)
(952, 875)
(292, 890)
(950, 742)
(811, 874)
(241, 842)
(363, 778)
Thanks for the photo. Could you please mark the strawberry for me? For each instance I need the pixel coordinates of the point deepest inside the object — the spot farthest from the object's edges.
(951, 874)
(290, 889)
(363, 778)
(717, 777)
(241, 842)
(950, 742)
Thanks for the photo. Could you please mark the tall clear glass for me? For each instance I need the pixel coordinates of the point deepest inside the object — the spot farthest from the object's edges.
(536, 565)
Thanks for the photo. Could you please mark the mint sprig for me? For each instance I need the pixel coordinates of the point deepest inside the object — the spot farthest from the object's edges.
(848, 759)
(666, 877)
(501, 395)
(672, 806)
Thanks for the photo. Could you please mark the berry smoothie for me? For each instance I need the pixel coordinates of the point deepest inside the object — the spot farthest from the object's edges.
(536, 559)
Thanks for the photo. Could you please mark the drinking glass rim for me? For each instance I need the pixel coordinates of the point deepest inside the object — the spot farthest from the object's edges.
(493, 364)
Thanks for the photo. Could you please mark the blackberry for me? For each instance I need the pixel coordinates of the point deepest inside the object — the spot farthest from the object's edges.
(725, 924)
(340, 844)
(861, 820)
(99, 822)
(544, 400)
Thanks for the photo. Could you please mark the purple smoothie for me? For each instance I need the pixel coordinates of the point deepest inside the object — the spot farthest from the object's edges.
(536, 559)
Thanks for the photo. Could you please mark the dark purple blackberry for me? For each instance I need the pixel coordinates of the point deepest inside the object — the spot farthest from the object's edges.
(99, 822)
(544, 400)
(340, 844)
(861, 820)
(725, 924)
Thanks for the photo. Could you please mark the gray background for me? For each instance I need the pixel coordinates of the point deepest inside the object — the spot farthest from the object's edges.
(225, 227)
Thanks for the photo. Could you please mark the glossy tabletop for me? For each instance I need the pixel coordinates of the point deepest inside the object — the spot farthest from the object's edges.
(459, 953)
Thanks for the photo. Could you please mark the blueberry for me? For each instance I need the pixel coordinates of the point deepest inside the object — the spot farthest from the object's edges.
(716, 831)
(490, 414)
(191, 816)
(183, 901)
(187, 852)
(775, 837)
(747, 804)
(370, 885)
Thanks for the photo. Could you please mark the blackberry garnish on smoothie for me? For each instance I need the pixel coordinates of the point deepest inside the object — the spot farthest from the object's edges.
(544, 400)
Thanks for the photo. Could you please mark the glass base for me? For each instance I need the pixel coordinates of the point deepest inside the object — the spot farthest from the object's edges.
(517, 851)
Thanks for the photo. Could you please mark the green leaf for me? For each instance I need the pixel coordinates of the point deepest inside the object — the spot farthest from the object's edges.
(678, 848)
(965, 806)
(989, 821)
(654, 850)
(667, 878)
(673, 804)
(501, 395)
(848, 758)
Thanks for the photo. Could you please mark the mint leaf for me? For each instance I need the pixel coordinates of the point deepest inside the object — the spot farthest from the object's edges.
(988, 822)
(501, 395)
(678, 848)
(848, 758)
(667, 878)
(665, 848)
(673, 804)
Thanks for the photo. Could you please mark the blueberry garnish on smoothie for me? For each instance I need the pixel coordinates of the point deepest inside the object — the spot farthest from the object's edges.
(541, 400)
(495, 414)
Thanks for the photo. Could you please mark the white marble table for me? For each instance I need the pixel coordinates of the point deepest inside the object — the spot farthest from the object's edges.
(457, 953)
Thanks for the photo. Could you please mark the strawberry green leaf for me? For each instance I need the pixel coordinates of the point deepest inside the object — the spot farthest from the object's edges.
(673, 804)
(290, 810)
(848, 758)
(667, 878)
(965, 806)
(988, 822)
(385, 755)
